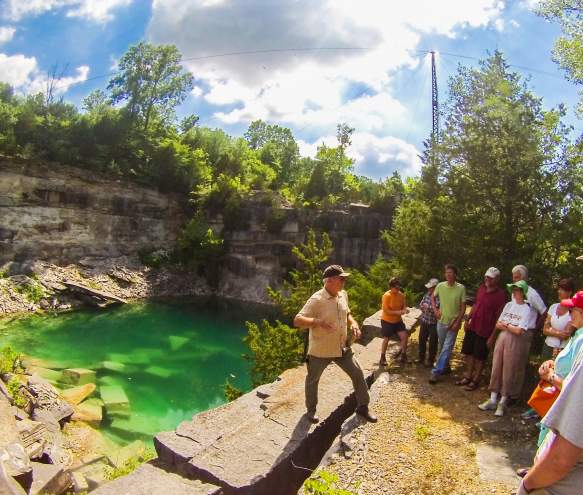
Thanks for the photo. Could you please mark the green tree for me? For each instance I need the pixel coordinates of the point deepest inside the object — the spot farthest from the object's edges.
(496, 192)
(306, 278)
(152, 82)
(273, 348)
(568, 50)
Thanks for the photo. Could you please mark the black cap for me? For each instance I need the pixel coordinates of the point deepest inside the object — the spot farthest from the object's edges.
(335, 271)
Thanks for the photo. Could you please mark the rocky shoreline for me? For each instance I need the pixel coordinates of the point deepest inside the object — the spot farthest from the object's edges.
(36, 286)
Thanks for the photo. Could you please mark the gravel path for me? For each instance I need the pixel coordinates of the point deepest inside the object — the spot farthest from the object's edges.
(426, 439)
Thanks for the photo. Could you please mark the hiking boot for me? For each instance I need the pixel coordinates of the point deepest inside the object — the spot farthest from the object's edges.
(364, 412)
(312, 418)
(487, 406)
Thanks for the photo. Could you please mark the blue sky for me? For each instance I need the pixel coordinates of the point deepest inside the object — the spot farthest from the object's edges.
(376, 79)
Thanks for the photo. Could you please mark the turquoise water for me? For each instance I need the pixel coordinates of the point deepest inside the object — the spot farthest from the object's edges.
(175, 356)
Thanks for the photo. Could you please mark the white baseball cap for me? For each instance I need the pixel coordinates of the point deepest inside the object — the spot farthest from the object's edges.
(432, 283)
(492, 272)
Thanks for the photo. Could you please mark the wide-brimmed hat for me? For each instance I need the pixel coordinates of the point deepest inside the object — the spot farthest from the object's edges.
(432, 283)
(335, 271)
(521, 284)
(575, 302)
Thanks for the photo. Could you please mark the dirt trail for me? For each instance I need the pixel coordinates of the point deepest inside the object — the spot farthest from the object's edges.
(432, 439)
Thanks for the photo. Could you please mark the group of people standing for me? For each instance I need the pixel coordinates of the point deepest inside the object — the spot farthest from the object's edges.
(493, 324)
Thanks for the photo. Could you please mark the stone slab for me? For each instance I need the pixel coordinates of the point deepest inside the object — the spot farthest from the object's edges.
(151, 479)
(78, 376)
(119, 457)
(48, 374)
(494, 464)
(159, 371)
(89, 413)
(113, 366)
(176, 341)
(76, 395)
(240, 444)
(48, 478)
(114, 398)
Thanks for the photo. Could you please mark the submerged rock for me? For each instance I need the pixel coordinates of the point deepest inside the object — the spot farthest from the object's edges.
(78, 376)
(76, 395)
(114, 399)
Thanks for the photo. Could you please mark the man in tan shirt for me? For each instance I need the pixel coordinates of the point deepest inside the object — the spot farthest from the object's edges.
(327, 315)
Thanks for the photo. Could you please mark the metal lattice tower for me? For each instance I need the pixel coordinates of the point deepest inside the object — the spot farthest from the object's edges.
(434, 101)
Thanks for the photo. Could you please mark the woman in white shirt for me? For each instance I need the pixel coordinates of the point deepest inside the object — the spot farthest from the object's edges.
(558, 328)
(511, 351)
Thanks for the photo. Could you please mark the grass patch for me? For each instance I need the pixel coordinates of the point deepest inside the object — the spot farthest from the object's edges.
(327, 483)
(422, 432)
(130, 465)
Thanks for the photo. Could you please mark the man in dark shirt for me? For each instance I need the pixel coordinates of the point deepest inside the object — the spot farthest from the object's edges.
(480, 325)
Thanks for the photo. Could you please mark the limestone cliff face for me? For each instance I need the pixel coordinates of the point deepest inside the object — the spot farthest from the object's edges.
(259, 256)
(62, 214)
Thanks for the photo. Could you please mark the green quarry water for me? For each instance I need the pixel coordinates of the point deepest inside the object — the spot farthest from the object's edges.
(170, 359)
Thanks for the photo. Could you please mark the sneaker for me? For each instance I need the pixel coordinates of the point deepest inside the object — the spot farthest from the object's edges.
(364, 412)
(487, 406)
(529, 414)
(500, 410)
(433, 379)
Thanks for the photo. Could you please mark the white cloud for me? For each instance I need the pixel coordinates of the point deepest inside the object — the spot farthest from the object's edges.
(94, 10)
(311, 91)
(499, 25)
(376, 157)
(23, 74)
(515, 24)
(6, 33)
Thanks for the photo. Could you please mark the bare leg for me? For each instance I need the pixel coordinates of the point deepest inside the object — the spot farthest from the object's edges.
(384, 350)
(404, 338)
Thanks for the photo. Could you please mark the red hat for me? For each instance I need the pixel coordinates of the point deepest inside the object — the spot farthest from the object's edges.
(575, 302)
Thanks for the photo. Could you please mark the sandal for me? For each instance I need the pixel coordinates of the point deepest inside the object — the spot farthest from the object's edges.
(472, 386)
(522, 472)
(463, 381)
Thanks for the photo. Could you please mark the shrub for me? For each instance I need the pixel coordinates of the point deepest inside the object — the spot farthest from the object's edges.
(231, 392)
(326, 483)
(31, 290)
(274, 349)
(130, 465)
(155, 259)
(275, 221)
(15, 391)
(9, 360)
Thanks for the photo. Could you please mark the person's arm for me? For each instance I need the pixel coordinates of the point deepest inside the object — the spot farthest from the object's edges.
(301, 321)
(553, 465)
(516, 330)
(549, 330)
(353, 324)
(455, 325)
(436, 310)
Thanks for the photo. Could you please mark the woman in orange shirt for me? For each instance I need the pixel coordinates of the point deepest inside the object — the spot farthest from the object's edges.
(393, 307)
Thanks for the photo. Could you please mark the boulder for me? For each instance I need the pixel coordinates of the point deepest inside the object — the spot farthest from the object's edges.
(76, 395)
(47, 398)
(33, 436)
(78, 376)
